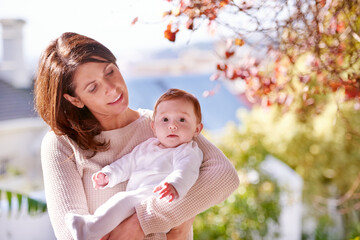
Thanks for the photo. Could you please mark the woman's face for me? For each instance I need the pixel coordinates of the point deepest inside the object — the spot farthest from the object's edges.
(101, 88)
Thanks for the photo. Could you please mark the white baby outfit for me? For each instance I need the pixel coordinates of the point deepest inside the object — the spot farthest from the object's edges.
(145, 167)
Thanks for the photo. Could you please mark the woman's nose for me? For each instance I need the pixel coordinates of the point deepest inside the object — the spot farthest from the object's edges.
(109, 88)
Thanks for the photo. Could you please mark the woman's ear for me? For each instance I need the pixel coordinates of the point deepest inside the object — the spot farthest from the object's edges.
(74, 100)
(198, 129)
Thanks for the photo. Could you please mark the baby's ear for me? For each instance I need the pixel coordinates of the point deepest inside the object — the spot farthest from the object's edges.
(198, 129)
(152, 126)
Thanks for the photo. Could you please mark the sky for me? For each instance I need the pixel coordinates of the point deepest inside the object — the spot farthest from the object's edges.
(108, 21)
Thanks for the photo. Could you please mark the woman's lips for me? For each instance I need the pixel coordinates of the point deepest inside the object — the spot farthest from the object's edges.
(116, 100)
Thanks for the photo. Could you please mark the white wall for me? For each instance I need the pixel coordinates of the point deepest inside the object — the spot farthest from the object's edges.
(20, 141)
(291, 185)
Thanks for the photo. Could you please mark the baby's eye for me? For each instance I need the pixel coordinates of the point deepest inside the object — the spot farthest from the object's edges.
(182, 119)
(165, 119)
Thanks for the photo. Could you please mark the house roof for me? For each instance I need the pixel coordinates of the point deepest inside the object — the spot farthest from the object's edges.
(15, 103)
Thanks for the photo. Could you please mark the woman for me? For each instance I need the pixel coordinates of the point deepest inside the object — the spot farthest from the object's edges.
(81, 94)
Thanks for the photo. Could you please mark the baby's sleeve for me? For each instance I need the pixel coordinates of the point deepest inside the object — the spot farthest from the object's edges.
(120, 170)
(187, 160)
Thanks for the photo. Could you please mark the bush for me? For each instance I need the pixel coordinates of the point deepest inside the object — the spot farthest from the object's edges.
(252, 208)
(323, 148)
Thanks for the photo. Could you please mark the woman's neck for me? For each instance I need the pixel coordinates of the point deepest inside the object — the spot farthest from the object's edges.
(120, 120)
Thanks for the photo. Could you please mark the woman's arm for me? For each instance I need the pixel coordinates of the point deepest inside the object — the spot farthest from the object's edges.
(180, 232)
(63, 185)
(217, 180)
(130, 229)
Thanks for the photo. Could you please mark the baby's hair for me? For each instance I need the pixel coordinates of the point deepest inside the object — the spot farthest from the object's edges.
(174, 93)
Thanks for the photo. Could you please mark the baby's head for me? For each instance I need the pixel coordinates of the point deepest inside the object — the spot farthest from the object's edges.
(177, 118)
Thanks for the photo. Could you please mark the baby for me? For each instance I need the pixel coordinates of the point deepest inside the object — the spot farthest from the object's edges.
(167, 165)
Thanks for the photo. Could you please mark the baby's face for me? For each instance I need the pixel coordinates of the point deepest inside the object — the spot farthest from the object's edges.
(175, 122)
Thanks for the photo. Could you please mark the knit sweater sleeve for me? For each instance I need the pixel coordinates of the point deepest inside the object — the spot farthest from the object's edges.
(217, 180)
(63, 186)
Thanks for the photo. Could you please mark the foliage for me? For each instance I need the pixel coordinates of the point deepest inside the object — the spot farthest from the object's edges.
(323, 35)
(323, 149)
(247, 213)
(34, 206)
(252, 208)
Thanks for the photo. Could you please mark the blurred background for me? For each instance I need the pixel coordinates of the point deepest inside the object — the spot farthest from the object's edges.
(279, 85)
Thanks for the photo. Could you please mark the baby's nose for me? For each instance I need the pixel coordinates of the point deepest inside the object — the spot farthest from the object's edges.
(172, 127)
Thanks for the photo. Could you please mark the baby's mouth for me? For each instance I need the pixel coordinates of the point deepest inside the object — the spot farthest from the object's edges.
(172, 135)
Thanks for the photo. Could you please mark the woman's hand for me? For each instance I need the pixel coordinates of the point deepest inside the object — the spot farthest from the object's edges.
(129, 229)
(180, 232)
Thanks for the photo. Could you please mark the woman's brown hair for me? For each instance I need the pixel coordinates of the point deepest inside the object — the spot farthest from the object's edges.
(57, 66)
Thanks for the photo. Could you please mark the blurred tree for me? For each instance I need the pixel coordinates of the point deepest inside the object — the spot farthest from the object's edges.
(324, 35)
(321, 150)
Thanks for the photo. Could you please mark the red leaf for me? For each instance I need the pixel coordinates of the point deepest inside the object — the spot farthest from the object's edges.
(221, 67)
(190, 24)
(335, 85)
(134, 21)
(322, 3)
(340, 27)
(229, 54)
(224, 3)
(169, 34)
(351, 92)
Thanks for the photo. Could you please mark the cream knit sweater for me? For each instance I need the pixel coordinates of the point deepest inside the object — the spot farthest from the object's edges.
(68, 186)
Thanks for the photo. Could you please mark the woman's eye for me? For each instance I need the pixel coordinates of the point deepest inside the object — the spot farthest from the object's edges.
(110, 72)
(182, 119)
(92, 88)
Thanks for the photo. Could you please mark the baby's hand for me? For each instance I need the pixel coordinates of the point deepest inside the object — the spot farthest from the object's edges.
(167, 190)
(100, 180)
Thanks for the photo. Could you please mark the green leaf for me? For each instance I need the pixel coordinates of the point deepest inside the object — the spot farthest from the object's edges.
(34, 206)
(31, 206)
(19, 198)
(9, 198)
